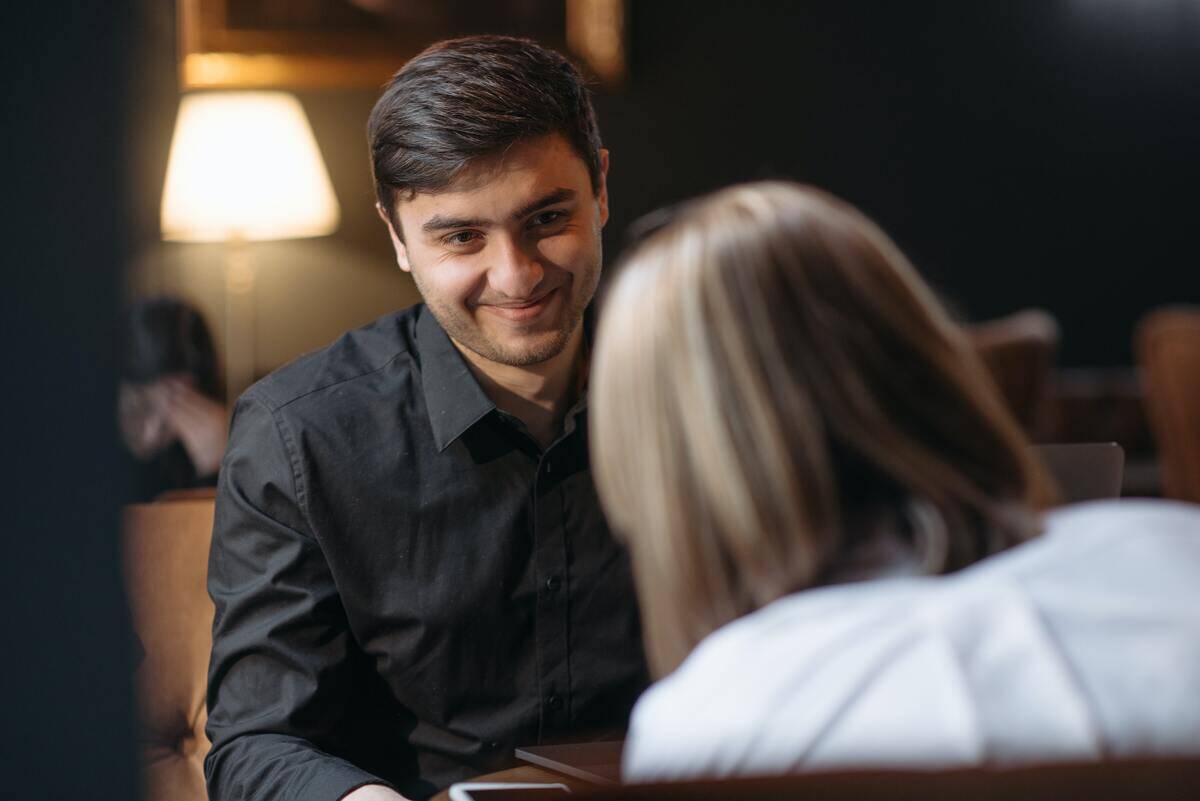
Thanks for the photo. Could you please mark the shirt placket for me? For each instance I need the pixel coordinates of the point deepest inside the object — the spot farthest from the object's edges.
(550, 549)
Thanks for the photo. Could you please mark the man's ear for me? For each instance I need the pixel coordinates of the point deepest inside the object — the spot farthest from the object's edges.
(397, 243)
(602, 188)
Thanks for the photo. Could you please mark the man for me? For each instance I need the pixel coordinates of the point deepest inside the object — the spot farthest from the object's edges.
(410, 569)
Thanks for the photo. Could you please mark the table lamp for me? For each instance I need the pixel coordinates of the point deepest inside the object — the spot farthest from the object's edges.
(244, 167)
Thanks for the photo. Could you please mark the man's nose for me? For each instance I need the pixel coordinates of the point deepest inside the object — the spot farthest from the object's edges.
(514, 272)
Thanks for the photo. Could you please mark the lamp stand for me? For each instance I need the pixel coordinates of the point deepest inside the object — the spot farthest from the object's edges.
(240, 323)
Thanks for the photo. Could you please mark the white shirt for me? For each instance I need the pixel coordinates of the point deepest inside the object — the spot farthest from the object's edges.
(1081, 644)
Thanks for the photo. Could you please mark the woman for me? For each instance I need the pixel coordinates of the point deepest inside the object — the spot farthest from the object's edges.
(172, 421)
(815, 475)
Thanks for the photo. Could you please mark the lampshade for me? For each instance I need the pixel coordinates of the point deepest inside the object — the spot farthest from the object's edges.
(245, 165)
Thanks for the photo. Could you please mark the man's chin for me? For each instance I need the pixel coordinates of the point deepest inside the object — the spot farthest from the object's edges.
(523, 346)
(524, 351)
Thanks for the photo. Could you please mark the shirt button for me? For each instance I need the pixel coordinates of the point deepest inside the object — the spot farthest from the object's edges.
(554, 703)
(553, 583)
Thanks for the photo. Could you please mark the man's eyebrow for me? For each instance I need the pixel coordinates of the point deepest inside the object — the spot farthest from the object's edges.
(439, 223)
(549, 199)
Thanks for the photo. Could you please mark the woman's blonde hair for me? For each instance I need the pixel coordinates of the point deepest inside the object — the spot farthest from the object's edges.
(771, 380)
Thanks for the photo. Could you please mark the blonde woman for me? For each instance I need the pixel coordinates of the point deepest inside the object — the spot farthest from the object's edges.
(838, 532)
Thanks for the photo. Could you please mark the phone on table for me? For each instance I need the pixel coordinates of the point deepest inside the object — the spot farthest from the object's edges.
(507, 791)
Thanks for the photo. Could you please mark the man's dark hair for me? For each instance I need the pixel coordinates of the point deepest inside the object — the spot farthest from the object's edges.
(465, 99)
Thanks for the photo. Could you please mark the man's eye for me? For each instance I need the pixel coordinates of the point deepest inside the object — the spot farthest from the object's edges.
(461, 238)
(546, 218)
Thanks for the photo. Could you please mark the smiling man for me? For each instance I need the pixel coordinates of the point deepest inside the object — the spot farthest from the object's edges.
(410, 568)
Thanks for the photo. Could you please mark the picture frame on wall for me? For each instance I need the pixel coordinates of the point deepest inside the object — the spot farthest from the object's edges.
(316, 44)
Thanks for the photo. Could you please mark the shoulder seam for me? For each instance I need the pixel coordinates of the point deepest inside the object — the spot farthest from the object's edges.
(324, 387)
(299, 487)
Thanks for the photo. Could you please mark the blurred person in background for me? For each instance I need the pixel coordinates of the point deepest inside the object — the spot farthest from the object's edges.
(172, 421)
(839, 534)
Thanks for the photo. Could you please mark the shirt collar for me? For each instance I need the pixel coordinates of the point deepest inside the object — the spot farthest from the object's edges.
(453, 397)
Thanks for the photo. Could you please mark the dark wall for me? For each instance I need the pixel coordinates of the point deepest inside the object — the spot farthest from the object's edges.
(66, 729)
(1025, 152)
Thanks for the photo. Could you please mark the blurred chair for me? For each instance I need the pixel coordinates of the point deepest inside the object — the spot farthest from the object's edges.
(1106, 404)
(1019, 351)
(165, 554)
(1168, 353)
(1084, 471)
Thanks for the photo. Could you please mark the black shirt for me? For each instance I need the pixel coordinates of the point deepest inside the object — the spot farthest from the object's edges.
(406, 586)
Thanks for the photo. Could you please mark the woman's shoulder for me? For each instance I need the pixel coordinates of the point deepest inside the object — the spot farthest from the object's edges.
(1142, 537)
(754, 691)
(1126, 542)
(800, 681)
(1125, 515)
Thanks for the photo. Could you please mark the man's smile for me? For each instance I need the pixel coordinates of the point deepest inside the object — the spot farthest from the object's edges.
(522, 311)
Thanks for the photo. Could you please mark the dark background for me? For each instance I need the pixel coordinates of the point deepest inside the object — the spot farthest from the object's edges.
(1036, 153)
(66, 654)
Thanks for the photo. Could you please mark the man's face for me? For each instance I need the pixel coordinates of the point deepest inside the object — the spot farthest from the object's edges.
(508, 256)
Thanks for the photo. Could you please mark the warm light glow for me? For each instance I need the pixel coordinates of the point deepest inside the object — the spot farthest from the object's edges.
(245, 165)
(596, 32)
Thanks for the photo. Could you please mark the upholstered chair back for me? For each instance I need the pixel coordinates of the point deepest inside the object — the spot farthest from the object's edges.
(166, 563)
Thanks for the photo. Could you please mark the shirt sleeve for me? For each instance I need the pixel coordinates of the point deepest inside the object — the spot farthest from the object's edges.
(280, 673)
